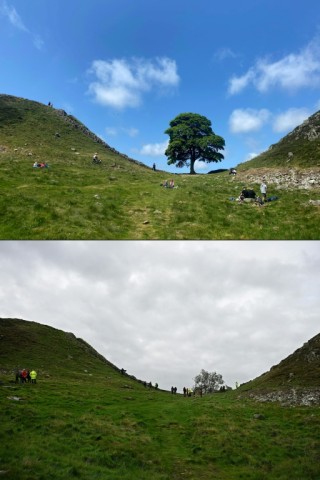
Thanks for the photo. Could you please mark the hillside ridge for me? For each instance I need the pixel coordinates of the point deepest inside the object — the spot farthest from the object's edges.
(11, 103)
(298, 149)
(49, 347)
(294, 380)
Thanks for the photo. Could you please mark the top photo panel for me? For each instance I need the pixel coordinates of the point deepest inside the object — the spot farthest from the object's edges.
(167, 121)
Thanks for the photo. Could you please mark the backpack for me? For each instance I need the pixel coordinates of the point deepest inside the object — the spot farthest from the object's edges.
(248, 193)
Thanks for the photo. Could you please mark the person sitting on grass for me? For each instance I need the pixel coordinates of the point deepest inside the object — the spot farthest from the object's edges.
(95, 158)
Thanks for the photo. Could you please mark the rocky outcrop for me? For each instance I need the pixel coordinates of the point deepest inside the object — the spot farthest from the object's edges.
(283, 178)
(294, 381)
(293, 397)
(309, 129)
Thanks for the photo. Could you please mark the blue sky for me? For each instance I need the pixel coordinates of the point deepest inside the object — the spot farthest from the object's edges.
(127, 68)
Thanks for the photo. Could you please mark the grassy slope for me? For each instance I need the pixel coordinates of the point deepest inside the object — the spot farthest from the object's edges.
(305, 151)
(99, 424)
(121, 199)
(300, 369)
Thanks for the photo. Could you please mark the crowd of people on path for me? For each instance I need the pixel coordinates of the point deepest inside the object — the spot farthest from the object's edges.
(26, 376)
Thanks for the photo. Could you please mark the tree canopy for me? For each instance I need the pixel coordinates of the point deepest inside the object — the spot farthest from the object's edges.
(208, 382)
(191, 139)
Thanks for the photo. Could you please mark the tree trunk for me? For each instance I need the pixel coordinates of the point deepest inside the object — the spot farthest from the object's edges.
(192, 161)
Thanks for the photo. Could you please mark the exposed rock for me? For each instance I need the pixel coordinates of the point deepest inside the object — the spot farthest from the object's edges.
(259, 416)
(293, 397)
(294, 381)
(284, 178)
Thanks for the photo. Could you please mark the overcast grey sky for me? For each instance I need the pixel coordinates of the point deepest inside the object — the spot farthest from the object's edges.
(165, 310)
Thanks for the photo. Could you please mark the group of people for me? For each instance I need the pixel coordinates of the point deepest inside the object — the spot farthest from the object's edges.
(40, 165)
(249, 195)
(189, 392)
(25, 376)
(168, 184)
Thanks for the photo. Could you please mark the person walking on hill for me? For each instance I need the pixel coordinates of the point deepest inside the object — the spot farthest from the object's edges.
(263, 190)
(33, 375)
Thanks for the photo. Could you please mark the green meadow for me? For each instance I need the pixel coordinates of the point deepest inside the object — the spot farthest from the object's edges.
(84, 419)
(122, 199)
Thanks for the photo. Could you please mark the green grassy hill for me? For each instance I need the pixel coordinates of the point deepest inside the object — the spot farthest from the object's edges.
(301, 369)
(84, 419)
(122, 198)
(299, 149)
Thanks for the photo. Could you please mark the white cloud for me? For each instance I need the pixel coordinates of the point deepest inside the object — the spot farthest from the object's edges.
(154, 149)
(250, 156)
(131, 131)
(111, 131)
(237, 84)
(121, 82)
(17, 22)
(199, 165)
(290, 119)
(248, 120)
(224, 53)
(114, 131)
(294, 71)
(13, 17)
(38, 42)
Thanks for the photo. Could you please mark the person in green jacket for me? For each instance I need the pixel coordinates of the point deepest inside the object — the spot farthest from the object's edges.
(33, 375)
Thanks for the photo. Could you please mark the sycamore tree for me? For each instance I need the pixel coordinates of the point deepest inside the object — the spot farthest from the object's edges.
(208, 382)
(191, 139)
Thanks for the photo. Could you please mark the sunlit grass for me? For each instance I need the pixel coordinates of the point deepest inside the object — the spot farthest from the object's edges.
(121, 199)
